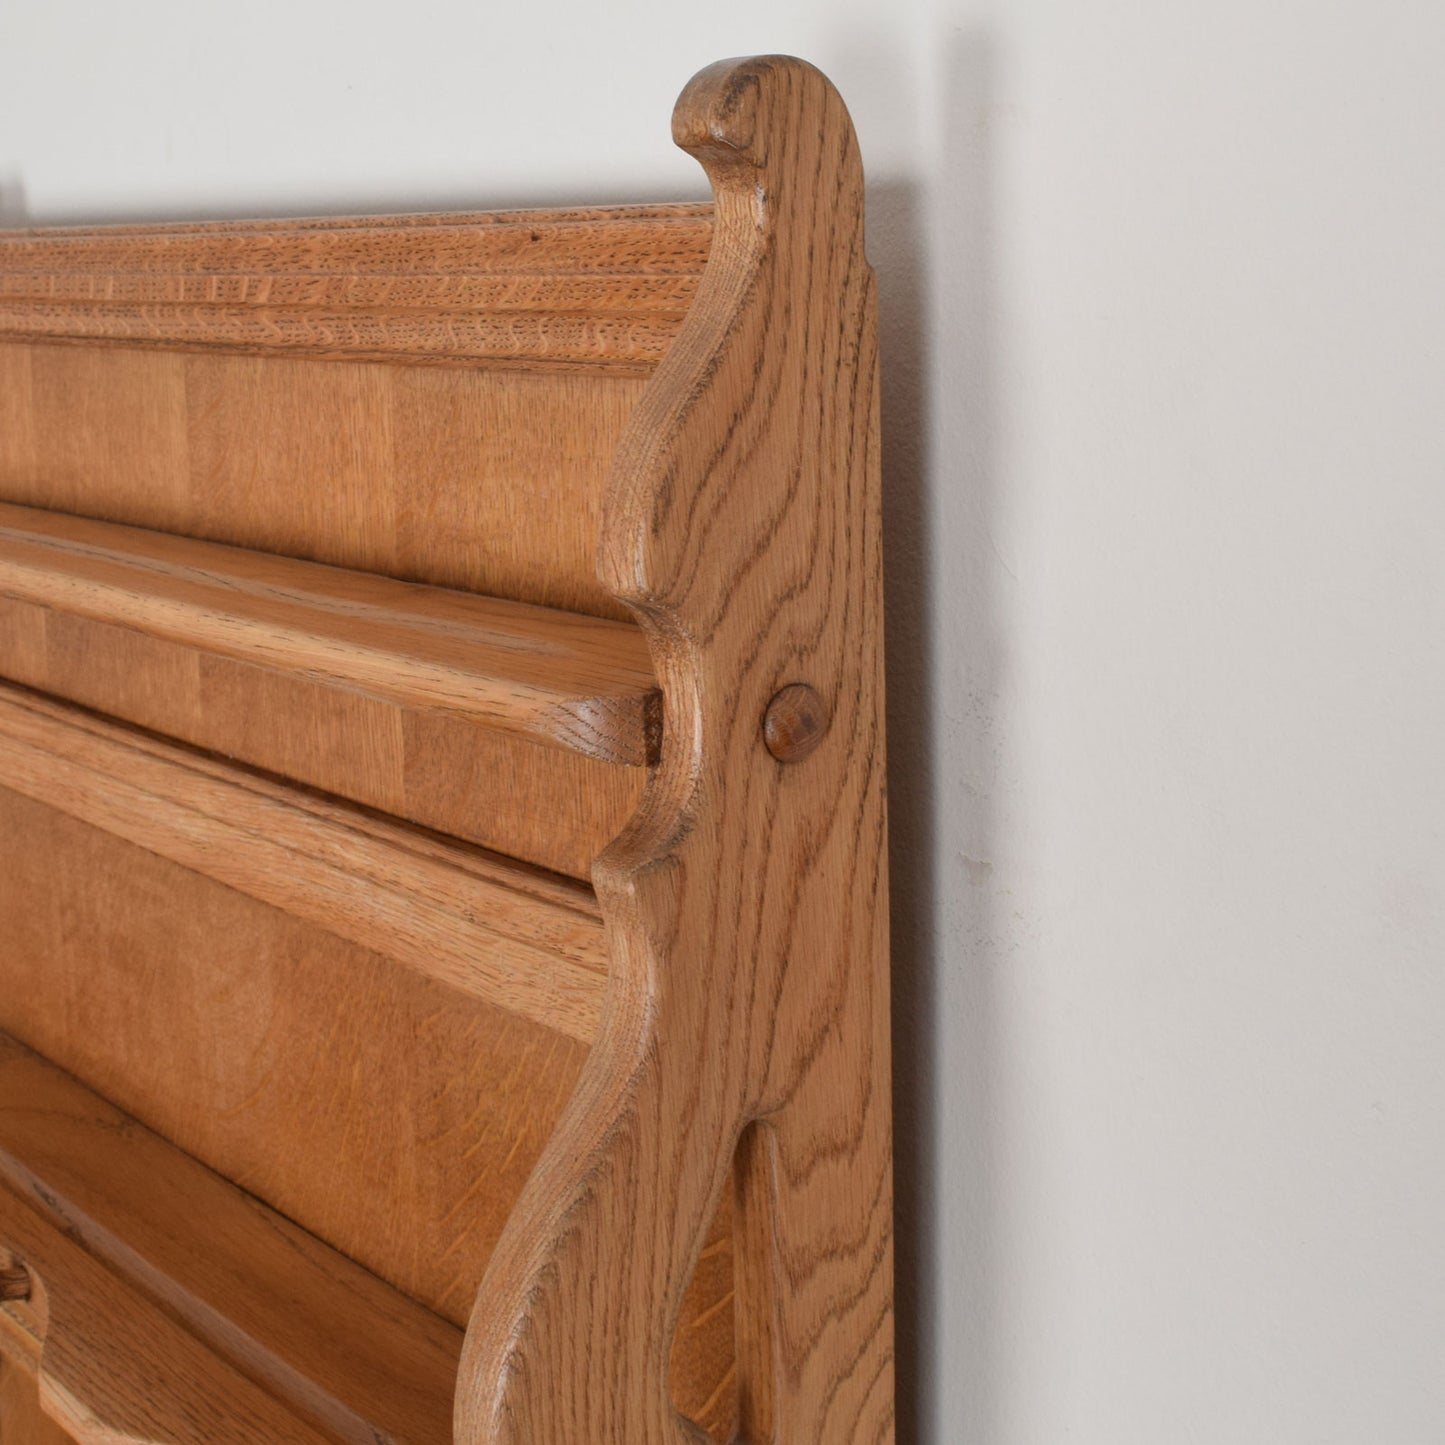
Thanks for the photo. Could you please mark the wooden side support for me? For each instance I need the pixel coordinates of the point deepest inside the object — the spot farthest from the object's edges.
(746, 1018)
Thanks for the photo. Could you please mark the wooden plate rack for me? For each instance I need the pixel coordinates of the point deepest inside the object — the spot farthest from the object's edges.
(442, 818)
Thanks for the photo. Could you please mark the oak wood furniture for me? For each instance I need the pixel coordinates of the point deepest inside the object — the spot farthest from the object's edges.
(443, 902)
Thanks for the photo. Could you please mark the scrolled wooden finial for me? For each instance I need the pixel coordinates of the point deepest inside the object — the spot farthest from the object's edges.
(748, 986)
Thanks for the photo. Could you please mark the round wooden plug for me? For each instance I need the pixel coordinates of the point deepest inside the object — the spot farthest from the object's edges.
(794, 722)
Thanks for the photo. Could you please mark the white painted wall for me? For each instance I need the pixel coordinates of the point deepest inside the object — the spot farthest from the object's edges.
(1165, 299)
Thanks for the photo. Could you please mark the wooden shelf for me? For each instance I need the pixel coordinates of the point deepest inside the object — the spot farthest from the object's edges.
(601, 287)
(167, 1304)
(522, 940)
(574, 682)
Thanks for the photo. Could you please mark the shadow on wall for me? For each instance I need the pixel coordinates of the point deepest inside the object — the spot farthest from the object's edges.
(392, 203)
(13, 210)
(935, 281)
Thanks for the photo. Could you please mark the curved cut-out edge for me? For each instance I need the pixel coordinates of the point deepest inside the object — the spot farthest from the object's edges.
(745, 903)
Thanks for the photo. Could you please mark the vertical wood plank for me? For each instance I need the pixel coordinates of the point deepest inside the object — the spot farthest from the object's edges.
(747, 903)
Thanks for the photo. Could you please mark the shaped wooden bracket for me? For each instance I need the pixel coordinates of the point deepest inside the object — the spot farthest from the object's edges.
(745, 1034)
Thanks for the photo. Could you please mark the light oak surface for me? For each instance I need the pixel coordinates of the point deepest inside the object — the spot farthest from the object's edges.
(575, 682)
(533, 801)
(746, 1017)
(257, 1042)
(601, 287)
(442, 818)
(523, 941)
(22, 1421)
(384, 1112)
(485, 479)
(80, 1180)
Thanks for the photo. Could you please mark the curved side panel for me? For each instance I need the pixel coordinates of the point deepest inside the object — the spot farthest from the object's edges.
(746, 904)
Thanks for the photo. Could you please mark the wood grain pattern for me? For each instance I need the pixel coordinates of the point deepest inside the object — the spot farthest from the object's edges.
(487, 480)
(637, 1139)
(22, 1421)
(593, 288)
(351, 1355)
(746, 1017)
(554, 808)
(116, 1369)
(527, 943)
(387, 1114)
(257, 1043)
(575, 682)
